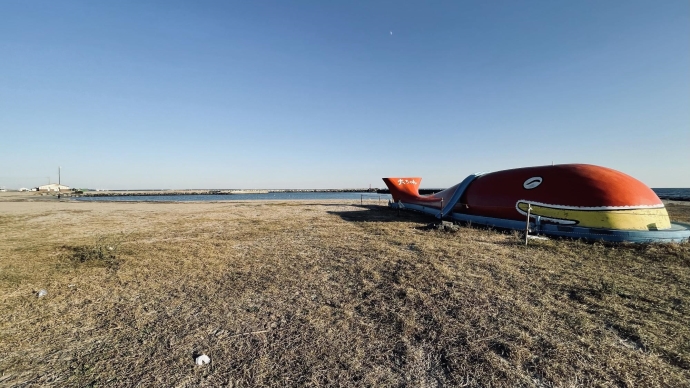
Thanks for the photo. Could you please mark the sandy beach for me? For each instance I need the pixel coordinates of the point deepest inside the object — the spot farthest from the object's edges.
(326, 293)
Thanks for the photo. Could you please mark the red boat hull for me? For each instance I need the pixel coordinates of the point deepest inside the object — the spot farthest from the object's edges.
(568, 194)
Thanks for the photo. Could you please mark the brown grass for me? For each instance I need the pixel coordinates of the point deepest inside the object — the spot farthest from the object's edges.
(327, 294)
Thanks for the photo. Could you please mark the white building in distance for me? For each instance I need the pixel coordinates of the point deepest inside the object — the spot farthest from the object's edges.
(53, 187)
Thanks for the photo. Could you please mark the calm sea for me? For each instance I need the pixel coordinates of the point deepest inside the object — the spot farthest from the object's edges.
(679, 194)
(242, 197)
(676, 194)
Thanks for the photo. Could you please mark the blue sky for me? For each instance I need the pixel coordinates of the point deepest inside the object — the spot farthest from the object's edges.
(320, 94)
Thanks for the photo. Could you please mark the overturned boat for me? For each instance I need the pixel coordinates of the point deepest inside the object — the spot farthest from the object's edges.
(568, 200)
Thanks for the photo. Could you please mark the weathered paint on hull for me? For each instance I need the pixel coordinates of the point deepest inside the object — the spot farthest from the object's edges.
(652, 218)
(594, 199)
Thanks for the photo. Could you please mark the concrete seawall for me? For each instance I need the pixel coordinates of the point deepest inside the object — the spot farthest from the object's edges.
(127, 193)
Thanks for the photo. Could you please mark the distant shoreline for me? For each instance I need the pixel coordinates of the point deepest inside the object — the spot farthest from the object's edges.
(129, 193)
(120, 193)
(672, 196)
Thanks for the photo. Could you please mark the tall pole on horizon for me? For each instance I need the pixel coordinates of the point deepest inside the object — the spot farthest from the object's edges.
(59, 171)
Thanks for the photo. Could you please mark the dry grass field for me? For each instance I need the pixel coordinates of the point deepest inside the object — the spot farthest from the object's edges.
(327, 294)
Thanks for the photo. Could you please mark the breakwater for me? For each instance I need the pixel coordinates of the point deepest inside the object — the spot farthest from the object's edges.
(680, 194)
(421, 191)
(146, 193)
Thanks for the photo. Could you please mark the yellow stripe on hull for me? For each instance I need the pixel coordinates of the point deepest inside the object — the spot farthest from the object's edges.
(628, 219)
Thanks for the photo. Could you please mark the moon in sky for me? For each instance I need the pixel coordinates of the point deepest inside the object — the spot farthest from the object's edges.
(391, 32)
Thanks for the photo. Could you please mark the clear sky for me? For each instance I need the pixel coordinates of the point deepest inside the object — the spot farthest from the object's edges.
(325, 94)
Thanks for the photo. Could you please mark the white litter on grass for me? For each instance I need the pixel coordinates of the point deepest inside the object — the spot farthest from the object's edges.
(42, 293)
(203, 359)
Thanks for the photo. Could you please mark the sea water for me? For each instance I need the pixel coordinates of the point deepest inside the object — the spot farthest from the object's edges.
(678, 194)
(297, 196)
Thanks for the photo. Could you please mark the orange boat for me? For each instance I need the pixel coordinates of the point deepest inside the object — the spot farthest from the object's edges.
(571, 200)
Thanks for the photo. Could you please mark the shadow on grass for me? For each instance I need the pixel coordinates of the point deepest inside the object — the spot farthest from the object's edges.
(381, 213)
